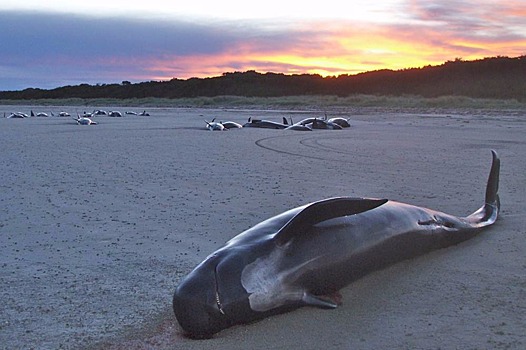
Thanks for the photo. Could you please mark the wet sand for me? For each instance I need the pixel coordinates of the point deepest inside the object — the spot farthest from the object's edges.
(99, 223)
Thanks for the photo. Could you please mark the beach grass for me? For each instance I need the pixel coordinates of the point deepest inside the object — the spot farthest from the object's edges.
(319, 102)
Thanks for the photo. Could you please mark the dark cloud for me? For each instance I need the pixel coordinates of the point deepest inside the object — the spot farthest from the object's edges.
(56, 48)
(483, 20)
(60, 34)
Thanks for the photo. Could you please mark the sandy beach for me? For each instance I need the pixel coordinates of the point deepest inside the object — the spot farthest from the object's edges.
(98, 224)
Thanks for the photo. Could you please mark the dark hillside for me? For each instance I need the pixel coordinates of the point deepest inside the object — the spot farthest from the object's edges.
(496, 77)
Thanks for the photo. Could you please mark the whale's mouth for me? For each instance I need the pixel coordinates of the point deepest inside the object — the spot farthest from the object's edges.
(218, 299)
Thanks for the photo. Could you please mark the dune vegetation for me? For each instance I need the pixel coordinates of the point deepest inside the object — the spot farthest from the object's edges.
(316, 102)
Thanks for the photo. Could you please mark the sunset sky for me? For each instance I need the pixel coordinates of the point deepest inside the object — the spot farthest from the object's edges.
(52, 43)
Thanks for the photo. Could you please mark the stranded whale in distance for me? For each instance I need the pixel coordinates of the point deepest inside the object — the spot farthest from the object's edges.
(84, 120)
(301, 256)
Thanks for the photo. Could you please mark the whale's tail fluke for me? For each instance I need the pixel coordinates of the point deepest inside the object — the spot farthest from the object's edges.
(492, 189)
(489, 212)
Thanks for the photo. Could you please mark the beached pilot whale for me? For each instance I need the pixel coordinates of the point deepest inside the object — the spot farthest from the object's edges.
(84, 120)
(214, 126)
(301, 256)
(266, 124)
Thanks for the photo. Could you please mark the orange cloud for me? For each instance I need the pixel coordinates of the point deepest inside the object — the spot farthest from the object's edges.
(348, 48)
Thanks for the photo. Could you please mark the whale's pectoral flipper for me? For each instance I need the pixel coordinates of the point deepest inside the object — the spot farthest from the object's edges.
(325, 210)
(316, 301)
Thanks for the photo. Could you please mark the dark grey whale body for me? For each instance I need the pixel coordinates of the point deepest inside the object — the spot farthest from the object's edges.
(265, 124)
(299, 257)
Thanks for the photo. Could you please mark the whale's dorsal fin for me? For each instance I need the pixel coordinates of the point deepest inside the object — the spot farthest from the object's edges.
(324, 210)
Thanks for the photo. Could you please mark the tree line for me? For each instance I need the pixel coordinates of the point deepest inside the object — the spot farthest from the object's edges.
(494, 77)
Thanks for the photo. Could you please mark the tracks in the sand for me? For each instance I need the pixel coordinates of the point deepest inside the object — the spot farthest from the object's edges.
(311, 147)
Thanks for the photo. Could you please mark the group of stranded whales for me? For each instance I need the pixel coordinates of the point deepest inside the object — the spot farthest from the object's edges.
(85, 119)
(306, 255)
(307, 124)
(32, 114)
